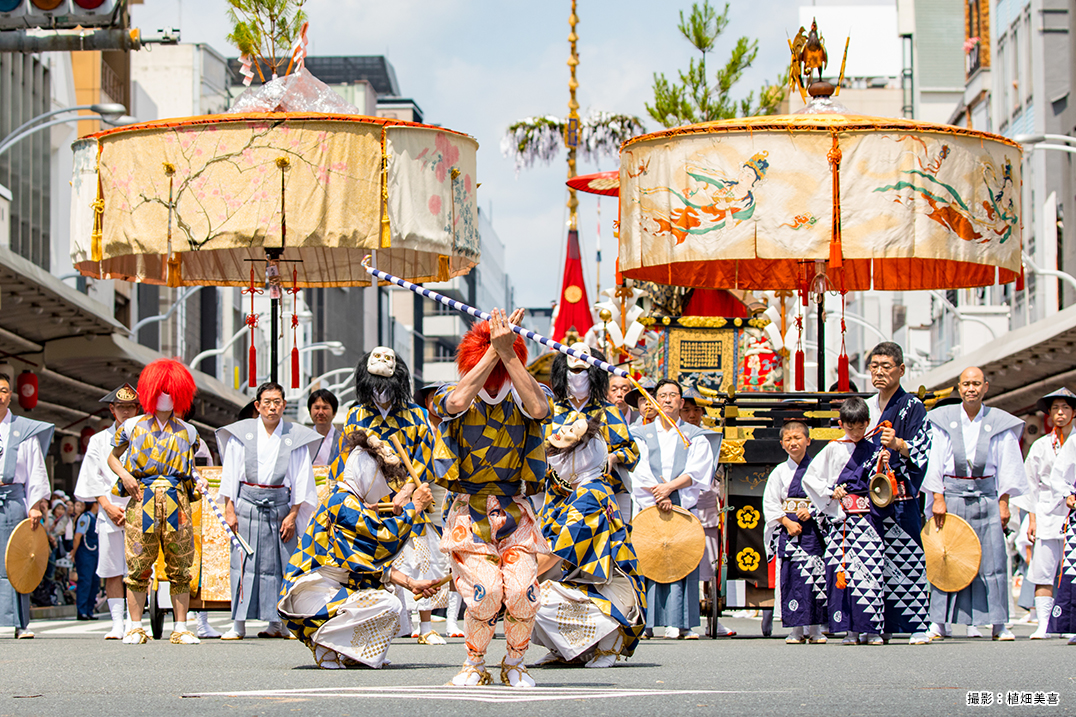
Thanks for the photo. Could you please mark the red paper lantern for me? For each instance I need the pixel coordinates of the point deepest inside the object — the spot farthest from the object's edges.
(84, 439)
(27, 388)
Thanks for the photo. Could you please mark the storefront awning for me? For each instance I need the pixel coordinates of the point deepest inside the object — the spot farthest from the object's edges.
(107, 361)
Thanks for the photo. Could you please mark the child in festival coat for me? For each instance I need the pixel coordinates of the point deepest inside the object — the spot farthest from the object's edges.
(793, 535)
(837, 483)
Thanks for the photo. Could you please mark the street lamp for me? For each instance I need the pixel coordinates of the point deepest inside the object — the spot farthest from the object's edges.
(1039, 141)
(109, 113)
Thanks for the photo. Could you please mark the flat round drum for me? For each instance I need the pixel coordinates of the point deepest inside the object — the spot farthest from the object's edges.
(952, 553)
(669, 544)
(26, 556)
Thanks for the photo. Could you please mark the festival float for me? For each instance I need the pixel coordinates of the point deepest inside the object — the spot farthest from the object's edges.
(288, 190)
(731, 231)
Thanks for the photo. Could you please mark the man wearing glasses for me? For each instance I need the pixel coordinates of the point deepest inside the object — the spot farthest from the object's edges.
(267, 482)
(907, 439)
(24, 490)
(668, 474)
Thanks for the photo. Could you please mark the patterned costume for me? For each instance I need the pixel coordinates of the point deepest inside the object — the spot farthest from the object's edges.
(907, 591)
(973, 462)
(597, 606)
(23, 484)
(421, 557)
(1062, 484)
(336, 596)
(161, 459)
(264, 475)
(492, 535)
(802, 557)
(853, 542)
(614, 430)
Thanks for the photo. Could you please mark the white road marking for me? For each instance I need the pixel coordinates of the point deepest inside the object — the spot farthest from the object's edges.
(497, 694)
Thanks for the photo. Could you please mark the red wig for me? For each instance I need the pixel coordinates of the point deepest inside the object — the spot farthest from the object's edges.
(166, 376)
(473, 347)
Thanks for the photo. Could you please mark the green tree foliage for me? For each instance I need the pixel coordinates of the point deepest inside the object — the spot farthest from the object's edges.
(694, 99)
(266, 30)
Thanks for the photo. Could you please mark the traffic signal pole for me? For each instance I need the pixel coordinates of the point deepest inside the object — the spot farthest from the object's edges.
(75, 41)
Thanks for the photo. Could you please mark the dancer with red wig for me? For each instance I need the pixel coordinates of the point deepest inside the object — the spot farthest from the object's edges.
(493, 425)
(158, 472)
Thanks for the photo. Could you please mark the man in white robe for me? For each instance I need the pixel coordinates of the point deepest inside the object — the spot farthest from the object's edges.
(322, 406)
(975, 467)
(267, 483)
(1045, 512)
(95, 483)
(24, 492)
(668, 474)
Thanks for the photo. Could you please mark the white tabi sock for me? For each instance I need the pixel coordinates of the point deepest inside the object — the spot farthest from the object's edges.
(1043, 607)
(179, 626)
(797, 632)
(115, 609)
(452, 613)
(606, 644)
(239, 627)
(516, 678)
(815, 631)
(425, 628)
(135, 624)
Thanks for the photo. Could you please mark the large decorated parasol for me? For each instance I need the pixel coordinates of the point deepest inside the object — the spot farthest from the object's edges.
(291, 189)
(888, 204)
(195, 201)
(821, 200)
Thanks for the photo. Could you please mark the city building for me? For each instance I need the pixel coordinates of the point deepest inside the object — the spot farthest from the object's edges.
(68, 336)
(1019, 71)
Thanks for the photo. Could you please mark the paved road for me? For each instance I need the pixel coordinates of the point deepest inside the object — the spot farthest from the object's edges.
(70, 670)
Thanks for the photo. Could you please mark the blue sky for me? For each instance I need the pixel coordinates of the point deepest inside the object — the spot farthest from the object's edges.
(476, 66)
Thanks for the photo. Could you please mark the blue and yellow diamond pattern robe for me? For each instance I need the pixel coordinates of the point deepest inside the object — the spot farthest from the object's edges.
(410, 426)
(496, 450)
(161, 459)
(334, 597)
(586, 532)
(614, 431)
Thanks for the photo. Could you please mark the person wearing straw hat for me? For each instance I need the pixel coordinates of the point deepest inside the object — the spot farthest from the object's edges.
(837, 483)
(1045, 512)
(24, 492)
(670, 473)
(644, 412)
(579, 387)
(384, 404)
(267, 483)
(975, 467)
(158, 470)
(338, 596)
(95, 482)
(899, 423)
(593, 610)
(493, 424)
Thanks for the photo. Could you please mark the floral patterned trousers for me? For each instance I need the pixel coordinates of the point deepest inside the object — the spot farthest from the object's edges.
(495, 574)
